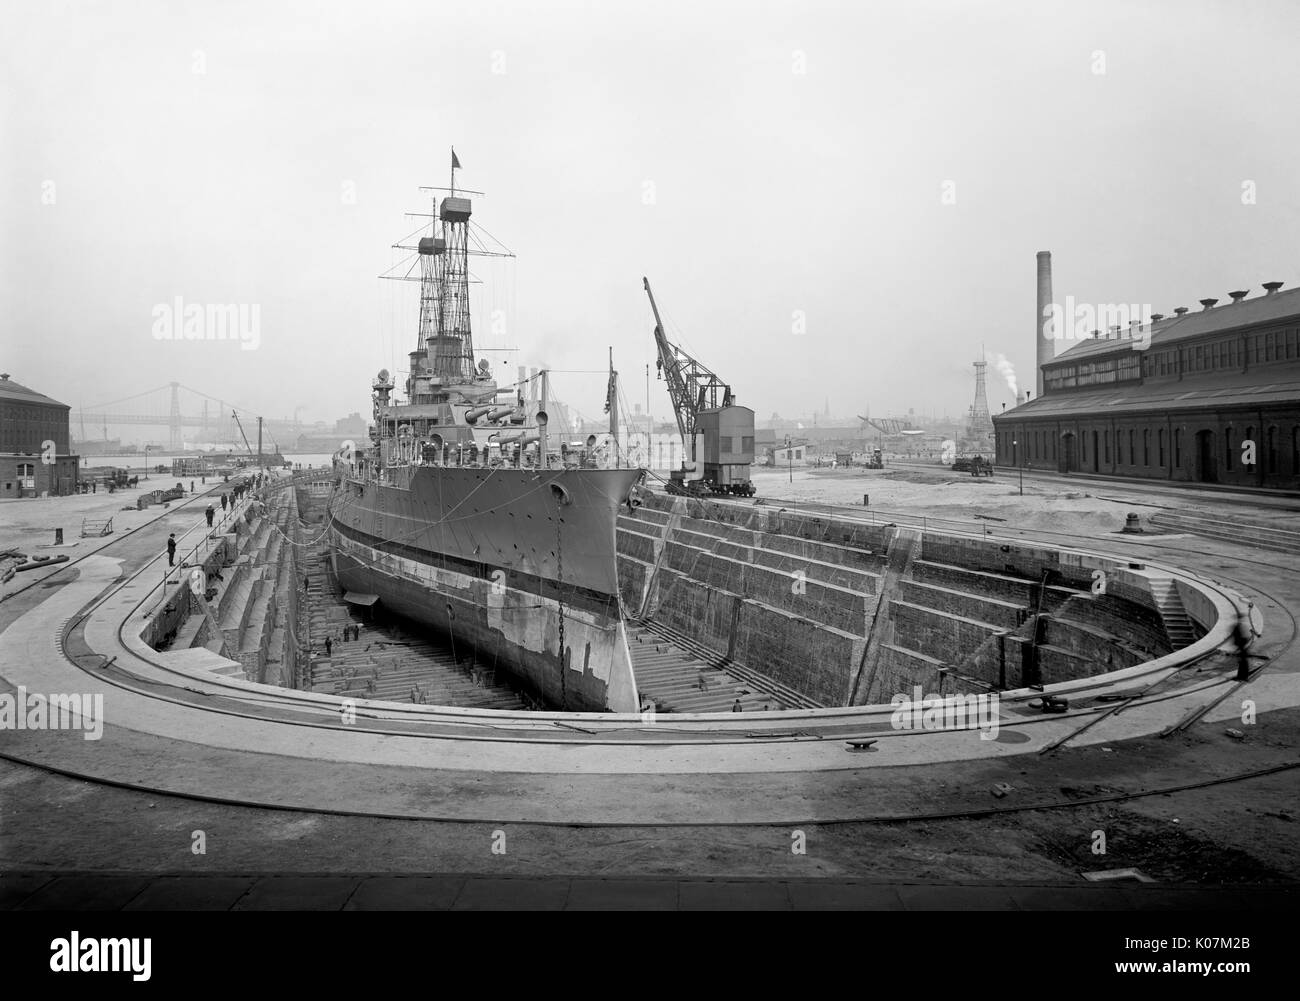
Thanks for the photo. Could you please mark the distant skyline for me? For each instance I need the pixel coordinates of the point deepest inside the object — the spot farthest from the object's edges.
(832, 202)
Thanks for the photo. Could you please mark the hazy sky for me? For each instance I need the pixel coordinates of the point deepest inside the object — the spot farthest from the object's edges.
(758, 161)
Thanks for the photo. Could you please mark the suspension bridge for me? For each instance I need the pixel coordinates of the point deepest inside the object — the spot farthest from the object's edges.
(177, 408)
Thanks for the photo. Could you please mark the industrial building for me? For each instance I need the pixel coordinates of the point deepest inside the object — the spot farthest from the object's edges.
(30, 419)
(1211, 396)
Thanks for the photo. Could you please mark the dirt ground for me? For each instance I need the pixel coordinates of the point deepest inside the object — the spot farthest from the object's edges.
(1236, 833)
(1082, 507)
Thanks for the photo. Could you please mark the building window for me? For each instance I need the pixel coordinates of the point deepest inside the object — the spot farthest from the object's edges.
(1227, 448)
(1108, 446)
(1119, 447)
(1272, 451)
(1146, 447)
(1160, 444)
(1178, 448)
(1132, 448)
(747, 443)
(1295, 451)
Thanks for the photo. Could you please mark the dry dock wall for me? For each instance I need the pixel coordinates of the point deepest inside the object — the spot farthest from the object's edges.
(794, 596)
(250, 607)
(796, 607)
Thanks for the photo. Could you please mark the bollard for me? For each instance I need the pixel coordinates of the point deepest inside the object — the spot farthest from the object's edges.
(58, 536)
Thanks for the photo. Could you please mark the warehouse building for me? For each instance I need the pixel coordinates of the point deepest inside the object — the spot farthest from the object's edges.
(1211, 396)
(31, 419)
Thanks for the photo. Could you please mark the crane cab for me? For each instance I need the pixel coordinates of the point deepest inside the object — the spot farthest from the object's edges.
(727, 437)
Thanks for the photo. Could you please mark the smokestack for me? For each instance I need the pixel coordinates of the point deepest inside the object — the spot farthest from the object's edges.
(1020, 400)
(1045, 350)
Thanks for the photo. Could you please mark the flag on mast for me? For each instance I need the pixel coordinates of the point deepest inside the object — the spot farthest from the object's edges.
(455, 162)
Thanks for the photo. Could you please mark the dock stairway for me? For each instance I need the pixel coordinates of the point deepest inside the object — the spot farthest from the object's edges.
(669, 666)
(1178, 625)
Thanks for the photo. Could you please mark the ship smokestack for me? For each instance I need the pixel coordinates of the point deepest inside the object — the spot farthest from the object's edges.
(1045, 350)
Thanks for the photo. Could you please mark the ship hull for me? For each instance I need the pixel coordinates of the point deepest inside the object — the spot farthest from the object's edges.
(502, 564)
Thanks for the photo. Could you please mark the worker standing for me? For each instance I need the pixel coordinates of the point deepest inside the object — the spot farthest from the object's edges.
(171, 550)
(223, 503)
(210, 513)
(1244, 635)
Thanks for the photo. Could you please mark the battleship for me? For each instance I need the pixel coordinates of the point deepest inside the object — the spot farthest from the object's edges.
(459, 514)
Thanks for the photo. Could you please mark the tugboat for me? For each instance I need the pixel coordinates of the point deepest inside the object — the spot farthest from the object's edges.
(459, 514)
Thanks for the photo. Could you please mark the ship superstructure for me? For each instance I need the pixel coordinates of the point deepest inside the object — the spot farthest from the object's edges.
(460, 515)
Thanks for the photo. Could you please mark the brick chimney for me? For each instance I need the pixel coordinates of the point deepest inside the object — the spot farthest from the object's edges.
(1045, 350)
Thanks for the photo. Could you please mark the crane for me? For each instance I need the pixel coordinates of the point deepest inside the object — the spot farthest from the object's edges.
(694, 388)
(887, 425)
(691, 386)
(241, 433)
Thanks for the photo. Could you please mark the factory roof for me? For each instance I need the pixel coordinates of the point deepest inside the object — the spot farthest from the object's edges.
(1202, 392)
(1242, 313)
(10, 390)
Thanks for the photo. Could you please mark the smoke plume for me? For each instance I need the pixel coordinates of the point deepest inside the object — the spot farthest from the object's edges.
(1005, 369)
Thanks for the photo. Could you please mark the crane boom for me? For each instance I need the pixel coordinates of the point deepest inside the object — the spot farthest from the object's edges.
(692, 386)
(241, 432)
(889, 425)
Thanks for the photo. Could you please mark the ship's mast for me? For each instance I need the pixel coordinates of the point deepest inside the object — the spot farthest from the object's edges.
(442, 363)
(453, 356)
(611, 406)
